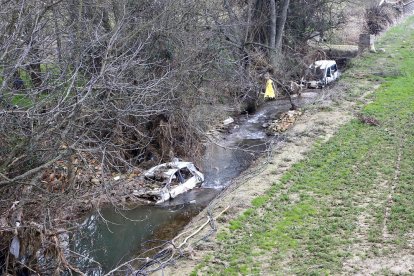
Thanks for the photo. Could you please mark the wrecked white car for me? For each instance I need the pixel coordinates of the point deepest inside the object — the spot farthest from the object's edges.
(168, 180)
(321, 73)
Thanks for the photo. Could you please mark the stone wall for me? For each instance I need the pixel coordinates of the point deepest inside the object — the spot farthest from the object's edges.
(366, 41)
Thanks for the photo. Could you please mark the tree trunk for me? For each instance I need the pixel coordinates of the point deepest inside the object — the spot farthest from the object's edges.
(35, 74)
(272, 33)
(116, 9)
(75, 15)
(281, 25)
(34, 55)
(58, 39)
(105, 21)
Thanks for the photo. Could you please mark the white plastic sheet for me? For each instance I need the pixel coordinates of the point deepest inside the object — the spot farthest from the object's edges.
(15, 247)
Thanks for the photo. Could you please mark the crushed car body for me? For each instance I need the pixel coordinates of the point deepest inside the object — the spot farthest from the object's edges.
(321, 73)
(168, 180)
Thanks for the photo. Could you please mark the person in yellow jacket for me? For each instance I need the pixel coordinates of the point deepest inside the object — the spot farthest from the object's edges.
(270, 92)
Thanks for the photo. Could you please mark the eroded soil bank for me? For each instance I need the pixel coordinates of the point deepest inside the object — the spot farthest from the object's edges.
(336, 197)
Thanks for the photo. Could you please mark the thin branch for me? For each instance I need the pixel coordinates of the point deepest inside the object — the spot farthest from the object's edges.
(32, 171)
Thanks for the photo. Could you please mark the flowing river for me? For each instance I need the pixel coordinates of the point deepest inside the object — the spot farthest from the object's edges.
(113, 236)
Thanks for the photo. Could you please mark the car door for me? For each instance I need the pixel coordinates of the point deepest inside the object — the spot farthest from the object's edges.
(328, 75)
(334, 72)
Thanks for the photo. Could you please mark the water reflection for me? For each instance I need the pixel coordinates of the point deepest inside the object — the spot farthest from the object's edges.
(114, 235)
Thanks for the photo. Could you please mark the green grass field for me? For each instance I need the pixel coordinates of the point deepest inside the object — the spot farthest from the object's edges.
(352, 199)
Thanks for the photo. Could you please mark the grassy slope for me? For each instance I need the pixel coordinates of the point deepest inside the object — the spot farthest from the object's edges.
(353, 196)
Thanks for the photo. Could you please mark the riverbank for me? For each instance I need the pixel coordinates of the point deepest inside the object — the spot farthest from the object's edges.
(336, 196)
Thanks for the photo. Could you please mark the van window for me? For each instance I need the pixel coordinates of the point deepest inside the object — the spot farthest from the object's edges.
(317, 72)
(334, 68)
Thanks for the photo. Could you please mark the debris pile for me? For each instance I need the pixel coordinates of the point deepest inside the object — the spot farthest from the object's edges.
(378, 18)
(284, 122)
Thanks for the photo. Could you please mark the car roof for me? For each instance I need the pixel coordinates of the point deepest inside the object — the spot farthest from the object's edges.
(168, 169)
(323, 63)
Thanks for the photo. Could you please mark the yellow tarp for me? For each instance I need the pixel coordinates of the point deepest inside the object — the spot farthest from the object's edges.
(270, 92)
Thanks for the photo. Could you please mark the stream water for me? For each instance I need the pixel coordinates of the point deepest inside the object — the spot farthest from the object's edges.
(114, 236)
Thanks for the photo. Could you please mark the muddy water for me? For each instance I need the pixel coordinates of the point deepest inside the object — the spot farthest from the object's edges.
(114, 236)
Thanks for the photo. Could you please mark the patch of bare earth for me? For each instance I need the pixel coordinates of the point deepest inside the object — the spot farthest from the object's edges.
(397, 264)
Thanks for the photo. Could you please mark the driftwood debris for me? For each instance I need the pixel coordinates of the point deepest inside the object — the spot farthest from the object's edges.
(284, 122)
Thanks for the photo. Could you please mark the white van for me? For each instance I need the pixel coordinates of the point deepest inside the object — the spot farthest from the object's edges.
(321, 73)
